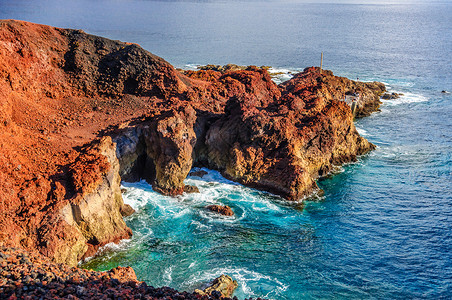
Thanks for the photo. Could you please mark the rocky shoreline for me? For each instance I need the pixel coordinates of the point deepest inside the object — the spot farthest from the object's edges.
(25, 275)
(79, 113)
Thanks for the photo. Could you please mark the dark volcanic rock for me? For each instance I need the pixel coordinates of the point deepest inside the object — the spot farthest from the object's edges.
(28, 276)
(200, 173)
(391, 96)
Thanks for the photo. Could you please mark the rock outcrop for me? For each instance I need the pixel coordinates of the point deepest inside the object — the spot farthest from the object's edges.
(284, 141)
(64, 93)
(391, 96)
(221, 209)
(224, 286)
(96, 211)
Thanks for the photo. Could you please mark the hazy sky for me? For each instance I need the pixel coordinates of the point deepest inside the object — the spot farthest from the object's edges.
(345, 1)
(367, 1)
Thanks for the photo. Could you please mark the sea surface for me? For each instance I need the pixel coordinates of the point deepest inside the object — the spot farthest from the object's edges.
(382, 230)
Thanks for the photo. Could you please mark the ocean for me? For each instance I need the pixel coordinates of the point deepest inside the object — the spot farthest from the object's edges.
(382, 229)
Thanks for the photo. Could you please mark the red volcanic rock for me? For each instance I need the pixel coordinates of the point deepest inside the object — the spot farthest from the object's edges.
(59, 89)
(221, 209)
(80, 112)
(311, 82)
(284, 145)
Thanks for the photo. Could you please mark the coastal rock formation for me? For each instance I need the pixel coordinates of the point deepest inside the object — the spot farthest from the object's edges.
(391, 96)
(325, 85)
(223, 285)
(283, 144)
(221, 209)
(29, 276)
(79, 113)
(97, 209)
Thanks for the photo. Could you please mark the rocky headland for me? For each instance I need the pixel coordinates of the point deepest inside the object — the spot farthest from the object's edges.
(79, 113)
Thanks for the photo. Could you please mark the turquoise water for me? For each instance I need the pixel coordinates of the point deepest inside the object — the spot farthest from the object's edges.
(383, 227)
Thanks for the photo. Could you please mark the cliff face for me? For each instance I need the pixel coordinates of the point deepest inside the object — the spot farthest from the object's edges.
(95, 214)
(284, 144)
(59, 190)
(64, 93)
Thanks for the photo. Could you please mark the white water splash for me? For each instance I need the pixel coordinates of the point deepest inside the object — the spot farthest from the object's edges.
(109, 250)
(361, 131)
(406, 98)
(279, 75)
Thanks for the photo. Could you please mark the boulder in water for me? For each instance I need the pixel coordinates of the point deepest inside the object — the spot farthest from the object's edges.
(199, 173)
(223, 284)
(391, 96)
(191, 189)
(127, 210)
(221, 209)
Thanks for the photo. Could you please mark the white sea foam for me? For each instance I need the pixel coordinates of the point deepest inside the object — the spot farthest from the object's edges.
(279, 75)
(192, 67)
(200, 226)
(214, 186)
(406, 98)
(361, 131)
(109, 250)
(167, 275)
(122, 245)
(137, 194)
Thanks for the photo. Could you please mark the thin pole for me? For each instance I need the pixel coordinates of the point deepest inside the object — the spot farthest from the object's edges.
(321, 62)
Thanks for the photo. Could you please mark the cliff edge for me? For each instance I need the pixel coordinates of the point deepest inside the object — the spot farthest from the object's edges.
(79, 112)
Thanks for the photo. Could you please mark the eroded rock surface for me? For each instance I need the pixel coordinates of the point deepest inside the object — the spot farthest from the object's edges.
(224, 286)
(64, 93)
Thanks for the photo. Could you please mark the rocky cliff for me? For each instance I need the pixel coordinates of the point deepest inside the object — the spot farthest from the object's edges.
(78, 112)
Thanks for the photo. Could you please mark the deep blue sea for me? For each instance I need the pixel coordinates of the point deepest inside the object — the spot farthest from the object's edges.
(383, 229)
